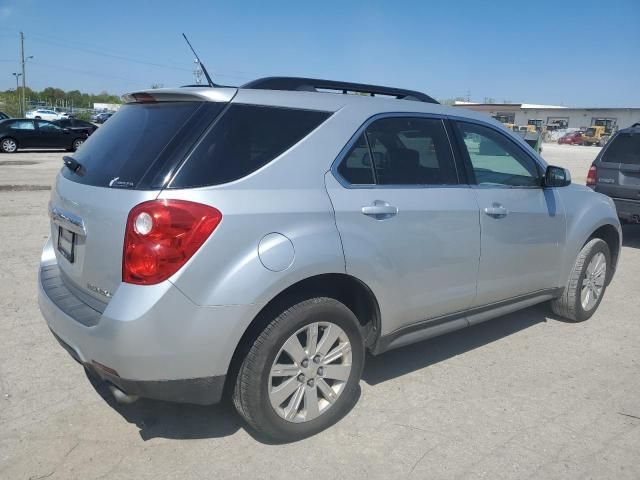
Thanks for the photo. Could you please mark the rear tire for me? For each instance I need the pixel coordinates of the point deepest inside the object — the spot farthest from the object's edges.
(322, 388)
(587, 283)
(76, 144)
(8, 145)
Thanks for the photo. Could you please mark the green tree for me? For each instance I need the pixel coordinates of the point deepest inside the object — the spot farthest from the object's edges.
(53, 96)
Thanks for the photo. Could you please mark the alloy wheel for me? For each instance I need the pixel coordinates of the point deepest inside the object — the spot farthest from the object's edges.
(593, 282)
(310, 372)
(9, 145)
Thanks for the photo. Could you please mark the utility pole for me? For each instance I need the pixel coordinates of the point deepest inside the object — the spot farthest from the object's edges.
(18, 75)
(23, 107)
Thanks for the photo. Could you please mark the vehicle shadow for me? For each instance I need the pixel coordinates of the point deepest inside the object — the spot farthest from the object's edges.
(176, 421)
(631, 236)
(402, 361)
(39, 150)
(156, 419)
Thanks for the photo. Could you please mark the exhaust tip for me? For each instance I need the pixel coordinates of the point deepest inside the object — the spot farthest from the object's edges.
(121, 397)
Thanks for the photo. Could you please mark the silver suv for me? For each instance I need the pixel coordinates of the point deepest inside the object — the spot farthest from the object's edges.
(260, 240)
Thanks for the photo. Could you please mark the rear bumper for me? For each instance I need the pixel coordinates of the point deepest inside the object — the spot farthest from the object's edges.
(628, 209)
(155, 341)
(200, 391)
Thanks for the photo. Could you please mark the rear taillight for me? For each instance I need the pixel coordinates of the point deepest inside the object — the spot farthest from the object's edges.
(592, 176)
(160, 237)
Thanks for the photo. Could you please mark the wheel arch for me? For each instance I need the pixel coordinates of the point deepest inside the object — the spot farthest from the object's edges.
(610, 234)
(351, 291)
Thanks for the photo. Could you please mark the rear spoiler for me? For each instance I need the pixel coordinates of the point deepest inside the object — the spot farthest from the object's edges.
(197, 94)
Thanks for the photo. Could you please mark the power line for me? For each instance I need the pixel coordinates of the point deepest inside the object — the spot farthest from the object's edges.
(119, 57)
(100, 50)
(87, 72)
(45, 40)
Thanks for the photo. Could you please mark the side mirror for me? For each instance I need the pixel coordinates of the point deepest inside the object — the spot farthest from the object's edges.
(557, 177)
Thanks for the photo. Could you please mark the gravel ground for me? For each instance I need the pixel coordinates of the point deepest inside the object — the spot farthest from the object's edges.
(522, 396)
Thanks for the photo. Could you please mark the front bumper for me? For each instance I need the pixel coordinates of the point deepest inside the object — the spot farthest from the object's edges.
(154, 341)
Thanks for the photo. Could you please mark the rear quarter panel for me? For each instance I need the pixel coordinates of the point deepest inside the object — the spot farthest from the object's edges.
(227, 269)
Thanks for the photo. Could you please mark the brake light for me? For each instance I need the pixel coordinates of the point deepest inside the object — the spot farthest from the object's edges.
(161, 235)
(592, 176)
(143, 98)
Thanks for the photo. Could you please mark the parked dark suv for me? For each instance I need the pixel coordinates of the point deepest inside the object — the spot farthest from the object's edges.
(616, 173)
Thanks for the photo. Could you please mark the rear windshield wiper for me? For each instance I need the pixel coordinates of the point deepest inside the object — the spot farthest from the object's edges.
(73, 165)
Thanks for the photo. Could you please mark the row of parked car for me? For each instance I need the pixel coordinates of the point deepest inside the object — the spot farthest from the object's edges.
(52, 115)
(64, 133)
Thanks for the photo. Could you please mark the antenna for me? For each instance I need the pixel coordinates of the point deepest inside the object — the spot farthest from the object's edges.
(204, 69)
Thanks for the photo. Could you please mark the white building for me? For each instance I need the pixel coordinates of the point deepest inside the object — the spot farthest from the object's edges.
(569, 117)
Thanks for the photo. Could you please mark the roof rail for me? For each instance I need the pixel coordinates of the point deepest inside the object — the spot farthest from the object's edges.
(313, 84)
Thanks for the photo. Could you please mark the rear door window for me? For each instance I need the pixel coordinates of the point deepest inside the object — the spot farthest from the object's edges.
(245, 138)
(625, 148)
(411, 151)
(140, 145)
(356, 167)
(23, 125)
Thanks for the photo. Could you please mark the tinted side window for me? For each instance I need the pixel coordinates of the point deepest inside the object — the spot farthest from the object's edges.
(23, 125)
(356, 167)
(625, 148)
(244, 139)
(495, 159)
(411, 151)
(48, 127)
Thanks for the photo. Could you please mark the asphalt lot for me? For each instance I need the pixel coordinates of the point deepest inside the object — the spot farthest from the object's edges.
(523, 396)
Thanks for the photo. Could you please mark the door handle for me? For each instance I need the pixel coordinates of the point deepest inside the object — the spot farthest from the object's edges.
(379, 210)
(496, 211)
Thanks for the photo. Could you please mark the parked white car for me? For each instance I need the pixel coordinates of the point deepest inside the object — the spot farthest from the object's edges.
(45, 114)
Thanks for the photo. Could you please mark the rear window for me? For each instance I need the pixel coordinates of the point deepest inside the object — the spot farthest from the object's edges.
(245, 138)
(142, 143)
(625, 148)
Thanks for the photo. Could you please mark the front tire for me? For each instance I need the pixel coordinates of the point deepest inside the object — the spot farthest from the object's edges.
(587, 283)
(8, 145)
(301, 374)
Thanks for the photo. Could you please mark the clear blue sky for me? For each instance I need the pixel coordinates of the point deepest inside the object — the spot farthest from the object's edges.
(581, 53)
